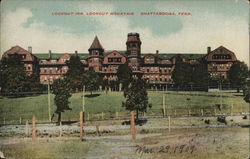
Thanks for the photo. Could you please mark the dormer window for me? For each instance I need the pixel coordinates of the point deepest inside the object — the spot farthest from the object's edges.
(221, 56)
(149, 60)
(95, 52)
(114, 59)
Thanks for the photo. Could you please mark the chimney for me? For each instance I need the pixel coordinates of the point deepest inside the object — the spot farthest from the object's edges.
(208, 50)
(30, 49)
(50, 54)
(157, 52)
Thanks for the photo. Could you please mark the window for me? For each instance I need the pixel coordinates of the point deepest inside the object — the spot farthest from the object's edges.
(133, 60)
(149, 60)
(221, 56)
(115, 59)
(95, 52)
(133, 52)
(95, 60)
(134, 68)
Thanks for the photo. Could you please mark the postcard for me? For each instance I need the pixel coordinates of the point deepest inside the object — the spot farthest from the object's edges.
(114, 79)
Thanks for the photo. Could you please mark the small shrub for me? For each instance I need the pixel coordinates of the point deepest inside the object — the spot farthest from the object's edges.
(207, 121)
(222, 119)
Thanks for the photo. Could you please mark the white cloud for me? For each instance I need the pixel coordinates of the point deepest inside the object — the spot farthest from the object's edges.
(14, 33)
(197, 34)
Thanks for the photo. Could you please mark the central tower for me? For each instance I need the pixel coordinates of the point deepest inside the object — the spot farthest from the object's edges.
(134, 50)
(133, 44)
(96, 55)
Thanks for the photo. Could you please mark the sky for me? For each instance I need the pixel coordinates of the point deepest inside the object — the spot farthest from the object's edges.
(211, 23)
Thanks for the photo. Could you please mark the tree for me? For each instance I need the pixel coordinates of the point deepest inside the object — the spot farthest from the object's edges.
(13, 77)
(238, 74)
(34, 83)
(136, 97)
(124, 75)
(74, 75)
(60, 88)
(182, 74)
(200, 76)
(92, 80)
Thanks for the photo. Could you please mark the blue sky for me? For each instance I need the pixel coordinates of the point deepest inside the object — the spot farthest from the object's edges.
(212, 23)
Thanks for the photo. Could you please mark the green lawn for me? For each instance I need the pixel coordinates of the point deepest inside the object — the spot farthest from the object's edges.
(176, 102)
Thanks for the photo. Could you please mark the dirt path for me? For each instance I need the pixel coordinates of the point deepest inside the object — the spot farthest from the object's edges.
(110, 147)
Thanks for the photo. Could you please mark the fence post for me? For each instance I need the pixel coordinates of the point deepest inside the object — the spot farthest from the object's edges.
(97, 130)
(81, 126)
(132, 125)
(202, 112)
(33, 128)
(230, 109)
(241, 109)
(189, 112)
(163, 105)
(88, 116)
(169, 123)
(27, 128)
(175, 112)
(116, 114)
(20, 120)
(102, 115)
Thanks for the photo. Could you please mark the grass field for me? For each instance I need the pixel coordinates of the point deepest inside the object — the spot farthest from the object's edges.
(11, 109)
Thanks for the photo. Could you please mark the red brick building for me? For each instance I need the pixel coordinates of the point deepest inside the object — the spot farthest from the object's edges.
(157, 67)
(30, 61)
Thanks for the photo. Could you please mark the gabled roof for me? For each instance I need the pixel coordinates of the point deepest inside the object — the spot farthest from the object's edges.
(96, 44)
(19, 50)
(122, 52)
(222, 48)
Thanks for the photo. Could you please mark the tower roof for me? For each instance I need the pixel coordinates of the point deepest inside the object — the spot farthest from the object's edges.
(96, 44)
(133, 37)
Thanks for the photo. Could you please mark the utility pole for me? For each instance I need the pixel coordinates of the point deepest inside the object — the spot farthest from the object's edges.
(220, 94)
(83, 100)
(163, 104)
(49, 102)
